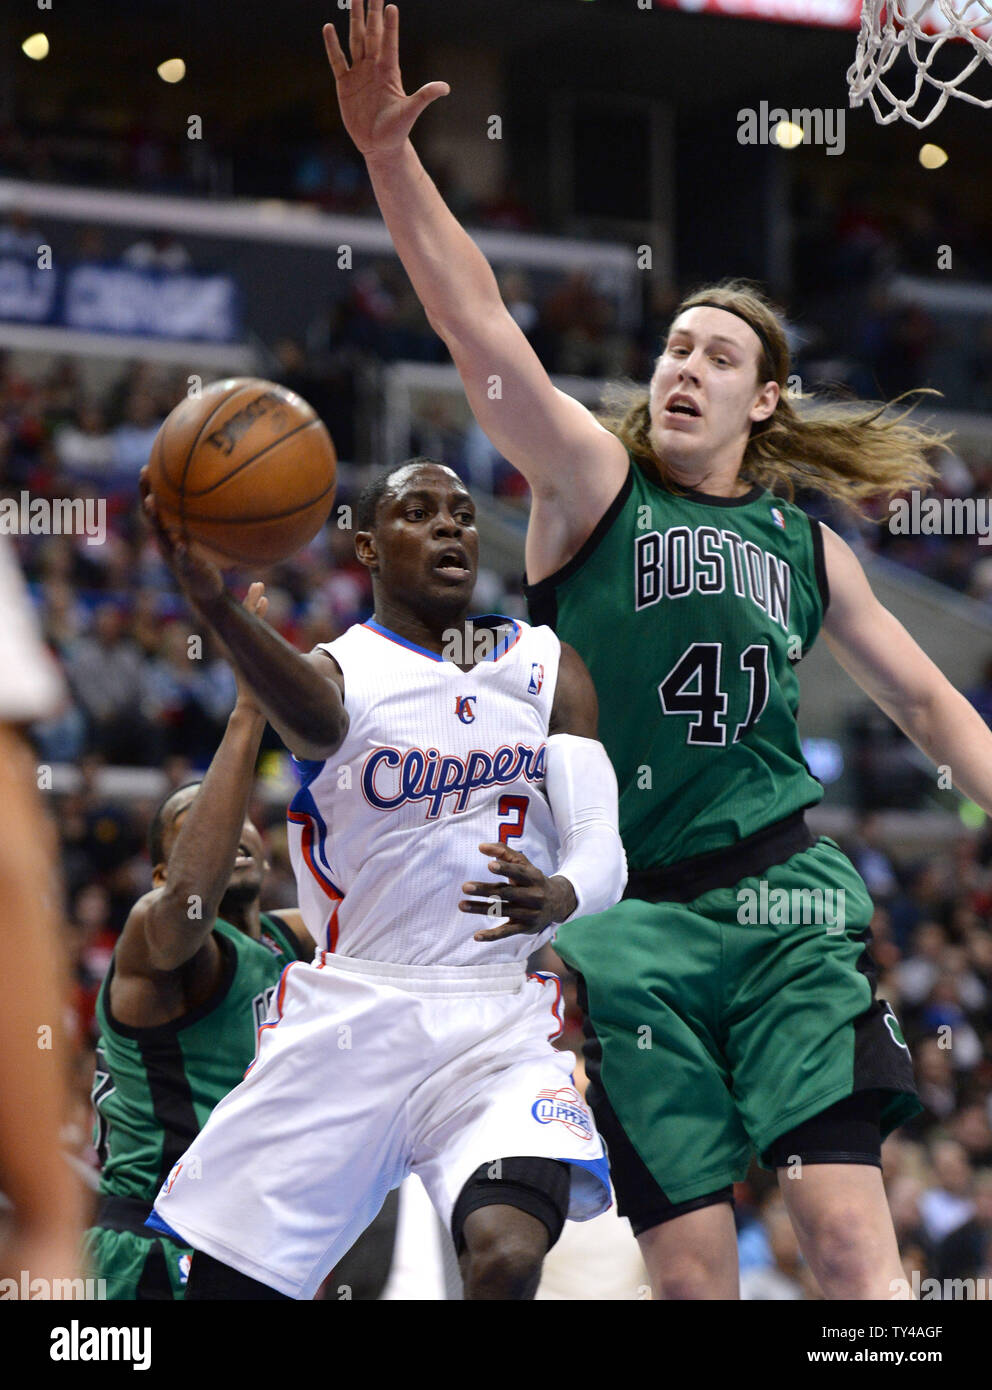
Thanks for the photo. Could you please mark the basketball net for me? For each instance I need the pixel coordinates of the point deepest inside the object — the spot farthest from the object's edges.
(888, 27)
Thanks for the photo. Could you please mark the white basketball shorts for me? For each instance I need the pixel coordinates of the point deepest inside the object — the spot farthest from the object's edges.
(366, 1072)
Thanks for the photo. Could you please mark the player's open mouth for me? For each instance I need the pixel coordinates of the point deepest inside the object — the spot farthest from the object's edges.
(244, 859)
(452, 564)
(683, 407)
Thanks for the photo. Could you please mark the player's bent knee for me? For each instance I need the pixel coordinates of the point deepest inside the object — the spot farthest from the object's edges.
(504, 1250)
(839, 1248)
(686, 1277)
(507, 1217)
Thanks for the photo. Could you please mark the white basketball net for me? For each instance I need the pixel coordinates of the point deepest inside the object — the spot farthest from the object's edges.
(890, 26)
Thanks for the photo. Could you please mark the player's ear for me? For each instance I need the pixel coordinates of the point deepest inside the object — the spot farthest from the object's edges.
(158, 876)
(767, 400)
(365, 549)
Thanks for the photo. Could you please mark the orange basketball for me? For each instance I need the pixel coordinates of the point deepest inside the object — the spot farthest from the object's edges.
(246, 469)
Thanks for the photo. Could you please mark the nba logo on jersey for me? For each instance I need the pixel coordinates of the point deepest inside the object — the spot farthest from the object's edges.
(778, 518)
(172, 1176)
(536, 678)
(464, 708)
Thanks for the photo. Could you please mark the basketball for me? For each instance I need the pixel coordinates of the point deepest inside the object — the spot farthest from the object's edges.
(246, 470)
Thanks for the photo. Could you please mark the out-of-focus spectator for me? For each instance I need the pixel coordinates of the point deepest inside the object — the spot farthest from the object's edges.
(949, 1202)
(134, 437)
(109, 680)
(972, 1128)
(935, 1084)
(86, 447)
(782, 1279)
(917, 975)
(871, 860)
(190, 696)
(964, 1251)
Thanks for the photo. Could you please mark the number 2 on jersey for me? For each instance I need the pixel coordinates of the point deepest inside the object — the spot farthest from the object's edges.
(699, 665)
(515, 806)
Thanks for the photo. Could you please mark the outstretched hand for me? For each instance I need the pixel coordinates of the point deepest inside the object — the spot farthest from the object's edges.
(377, 113)
(199, 579)
(530, 900)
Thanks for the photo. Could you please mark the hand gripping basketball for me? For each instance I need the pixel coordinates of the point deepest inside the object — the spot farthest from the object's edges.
(200, 580)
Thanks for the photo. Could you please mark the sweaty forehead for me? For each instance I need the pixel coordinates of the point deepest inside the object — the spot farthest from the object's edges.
(424, 477)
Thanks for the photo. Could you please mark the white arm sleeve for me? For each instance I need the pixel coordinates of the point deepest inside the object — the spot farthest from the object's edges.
(582, 792)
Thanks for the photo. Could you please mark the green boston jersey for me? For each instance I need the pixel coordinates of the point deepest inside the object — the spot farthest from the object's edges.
(154, 1087)
(691, 613)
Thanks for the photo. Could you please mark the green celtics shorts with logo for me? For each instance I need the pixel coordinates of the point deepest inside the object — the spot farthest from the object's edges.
(135, 1262)
(719, 1023)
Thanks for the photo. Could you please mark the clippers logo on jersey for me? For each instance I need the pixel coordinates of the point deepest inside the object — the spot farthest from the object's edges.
(567, 1108)
(536, 678)
(464, 708)
(390, 778)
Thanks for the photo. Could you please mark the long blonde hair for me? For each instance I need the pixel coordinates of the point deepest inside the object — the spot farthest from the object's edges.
(849, 452)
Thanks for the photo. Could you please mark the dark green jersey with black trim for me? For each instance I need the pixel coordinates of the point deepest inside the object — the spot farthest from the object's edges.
(154, 1087)
(691, 613)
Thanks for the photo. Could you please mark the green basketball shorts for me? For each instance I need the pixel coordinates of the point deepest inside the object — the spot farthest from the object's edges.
(715, 1026)
(136, 1265)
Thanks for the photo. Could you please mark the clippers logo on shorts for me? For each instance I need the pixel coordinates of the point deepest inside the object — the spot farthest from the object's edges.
(390, 778)
(536, 679)
(566, 1107)
(464, 708)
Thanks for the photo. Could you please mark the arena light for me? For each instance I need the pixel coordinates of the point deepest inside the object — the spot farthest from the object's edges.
(36, 47)
(788, 135)
(933, 157)
(172, 70)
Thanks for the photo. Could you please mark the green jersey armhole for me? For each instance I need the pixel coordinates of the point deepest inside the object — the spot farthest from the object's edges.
(542, 603)
(819, 562)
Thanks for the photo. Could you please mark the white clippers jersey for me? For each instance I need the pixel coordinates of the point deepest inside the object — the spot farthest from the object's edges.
(436, 762)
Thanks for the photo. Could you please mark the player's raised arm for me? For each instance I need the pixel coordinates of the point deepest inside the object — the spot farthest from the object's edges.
(552, 439)
(879, 654)
(583, 796)
(168, 926)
